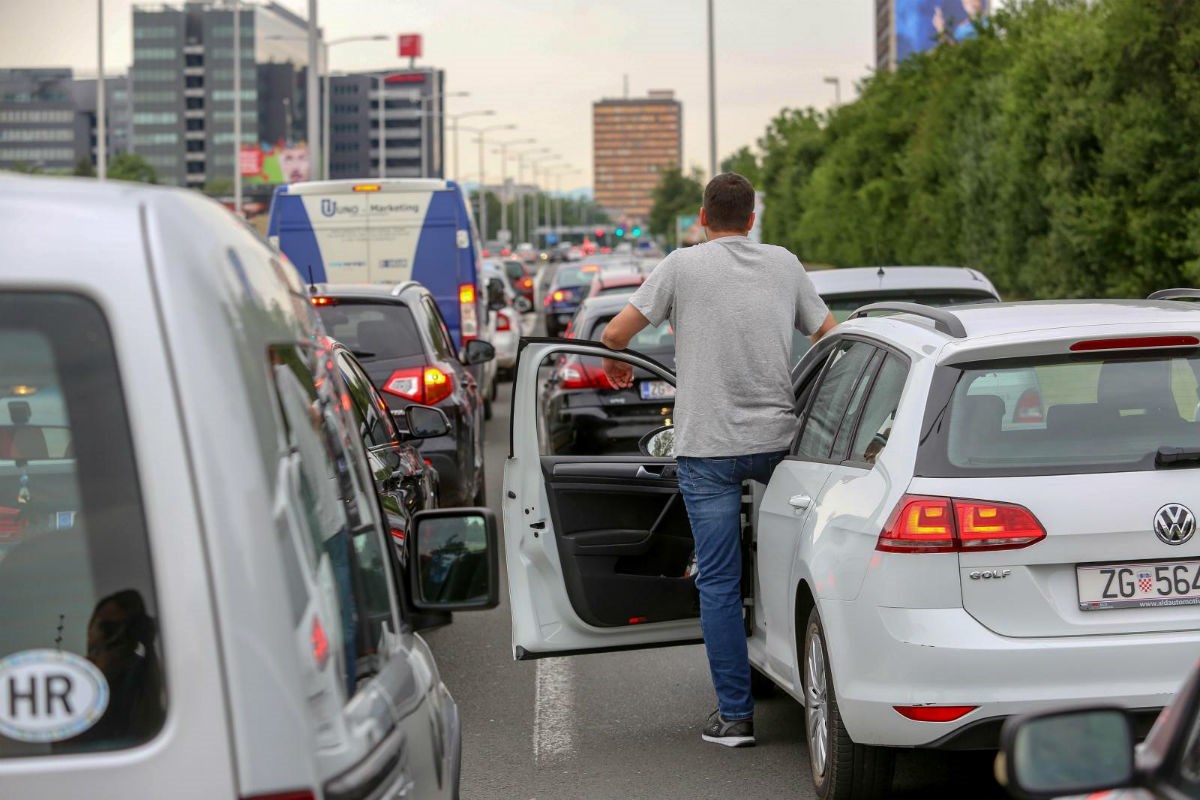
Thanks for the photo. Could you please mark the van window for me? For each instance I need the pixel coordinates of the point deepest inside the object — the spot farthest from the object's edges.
(338, 508)
(76, 583)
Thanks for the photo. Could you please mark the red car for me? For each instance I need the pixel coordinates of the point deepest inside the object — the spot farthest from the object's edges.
(521, 277)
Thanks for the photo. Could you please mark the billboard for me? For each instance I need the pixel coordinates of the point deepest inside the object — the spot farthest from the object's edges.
(922, 24)
(278, 163)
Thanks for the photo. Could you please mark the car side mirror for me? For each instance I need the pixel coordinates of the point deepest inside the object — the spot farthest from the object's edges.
(455, 561)
(523, 305)
(658, 443)
(478, 351)
(421, 422)
(1079, 751)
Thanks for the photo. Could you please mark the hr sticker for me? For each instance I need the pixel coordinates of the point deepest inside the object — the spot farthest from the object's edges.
(49, 695)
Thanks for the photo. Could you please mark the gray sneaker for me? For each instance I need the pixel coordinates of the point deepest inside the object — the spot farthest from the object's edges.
(739, 733)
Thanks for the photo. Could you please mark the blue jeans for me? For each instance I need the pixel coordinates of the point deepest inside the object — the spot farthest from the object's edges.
(712, 492)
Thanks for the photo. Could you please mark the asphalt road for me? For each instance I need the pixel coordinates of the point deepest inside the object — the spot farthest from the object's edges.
(627, 725)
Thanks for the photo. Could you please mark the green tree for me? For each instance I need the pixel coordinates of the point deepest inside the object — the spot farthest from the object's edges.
(675, 194)
(131, 167)
(745, 163)
(84, 168)
(26, 168)
(219, 187)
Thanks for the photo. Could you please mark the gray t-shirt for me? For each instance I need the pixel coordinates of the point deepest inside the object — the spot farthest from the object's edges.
(734, 304)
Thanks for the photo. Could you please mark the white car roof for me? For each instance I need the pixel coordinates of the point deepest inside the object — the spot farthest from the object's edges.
(860, 280)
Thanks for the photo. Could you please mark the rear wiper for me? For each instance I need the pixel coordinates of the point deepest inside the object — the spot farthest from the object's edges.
(362, 354)
(1171, 456)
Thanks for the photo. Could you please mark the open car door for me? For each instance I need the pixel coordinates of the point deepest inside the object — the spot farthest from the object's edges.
(596, 536)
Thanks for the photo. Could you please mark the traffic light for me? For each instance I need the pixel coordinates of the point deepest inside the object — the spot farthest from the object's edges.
(599, 234)
(620, 232)
(637, 231)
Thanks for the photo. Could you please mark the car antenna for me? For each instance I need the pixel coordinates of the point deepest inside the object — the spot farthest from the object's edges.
(312, 285)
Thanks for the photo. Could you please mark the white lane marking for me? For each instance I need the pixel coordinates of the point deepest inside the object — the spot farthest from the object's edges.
(553, 729)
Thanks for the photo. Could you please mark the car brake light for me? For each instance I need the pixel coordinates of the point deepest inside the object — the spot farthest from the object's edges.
(1134, 343)
(934, 713)
(574, 374)
(559, 296)
(425, 385)
(468, 317)
(1029, 407)
(527, 283)
(947, 525)
(502, 323)
(397, 534)
(320, 644)
(322, 301)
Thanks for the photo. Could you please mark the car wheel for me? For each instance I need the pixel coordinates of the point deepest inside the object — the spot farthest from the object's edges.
(760, 684)
(841, 769)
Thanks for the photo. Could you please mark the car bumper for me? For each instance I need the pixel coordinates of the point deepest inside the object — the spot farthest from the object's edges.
(886, 657)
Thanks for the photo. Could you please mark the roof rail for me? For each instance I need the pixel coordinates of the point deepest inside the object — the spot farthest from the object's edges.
(942, 320)
(401, 287)
(1175, 294)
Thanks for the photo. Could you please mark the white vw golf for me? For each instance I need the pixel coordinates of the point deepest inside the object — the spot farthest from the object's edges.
(932, 557)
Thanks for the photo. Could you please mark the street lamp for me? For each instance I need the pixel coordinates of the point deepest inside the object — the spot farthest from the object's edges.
(503, 149)
(712, 98)
(837, 90)
(521, 228)
(101, 133)
(559, 171)
(325, 74)
(454, 118)
(537, 191)
(424, 125)
(482, 133)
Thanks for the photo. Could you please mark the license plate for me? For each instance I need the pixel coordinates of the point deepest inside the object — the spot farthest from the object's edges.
(1146, 585)
(656, 390)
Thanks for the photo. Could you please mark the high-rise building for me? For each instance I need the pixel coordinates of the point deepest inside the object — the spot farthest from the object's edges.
(37, 119)
(633, 140)
(412, 124)
(183, 89)
(118, 115)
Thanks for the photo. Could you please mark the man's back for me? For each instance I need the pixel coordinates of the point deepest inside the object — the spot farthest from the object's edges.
(734, 304)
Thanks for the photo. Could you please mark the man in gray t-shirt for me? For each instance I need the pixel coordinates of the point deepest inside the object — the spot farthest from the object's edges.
(733, 304)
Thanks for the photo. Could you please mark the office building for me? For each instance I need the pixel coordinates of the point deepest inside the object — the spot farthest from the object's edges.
(183, 85)
(633, 140)
(413, 130)
(37, 119)
(118, 115)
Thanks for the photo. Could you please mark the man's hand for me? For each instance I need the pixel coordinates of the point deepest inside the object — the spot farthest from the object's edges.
(619, 373)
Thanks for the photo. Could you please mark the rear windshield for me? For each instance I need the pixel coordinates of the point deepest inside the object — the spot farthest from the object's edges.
(649, 339)
(372, 330)
(514, 270)
(569, 277)
(80, 664)
(1061, 415)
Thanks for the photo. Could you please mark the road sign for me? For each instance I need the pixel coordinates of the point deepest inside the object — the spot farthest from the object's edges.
(410, 45)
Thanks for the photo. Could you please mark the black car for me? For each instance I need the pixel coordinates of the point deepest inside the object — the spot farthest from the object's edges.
(567, 289)
(581, 410)
(404, 483)
(401, 340)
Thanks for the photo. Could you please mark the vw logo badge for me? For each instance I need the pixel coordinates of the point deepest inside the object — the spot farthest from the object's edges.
(328, 207)
(1174, 523)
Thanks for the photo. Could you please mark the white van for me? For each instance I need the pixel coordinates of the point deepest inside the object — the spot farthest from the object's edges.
(196, 597)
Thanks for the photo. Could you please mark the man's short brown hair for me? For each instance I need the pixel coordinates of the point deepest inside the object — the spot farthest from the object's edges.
(729, 202)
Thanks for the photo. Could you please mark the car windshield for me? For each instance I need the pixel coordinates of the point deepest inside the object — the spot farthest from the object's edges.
(1062, 415)
(372, 330)
(514, 269)
(571, 277)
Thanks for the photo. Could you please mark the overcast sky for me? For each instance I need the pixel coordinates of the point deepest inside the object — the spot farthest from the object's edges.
(541, 63)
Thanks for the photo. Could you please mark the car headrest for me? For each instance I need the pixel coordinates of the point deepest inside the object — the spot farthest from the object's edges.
(1135, 385)
(375, 336)
(982, 415)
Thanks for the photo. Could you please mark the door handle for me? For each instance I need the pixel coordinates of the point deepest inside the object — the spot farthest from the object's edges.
(666, 473)
(800, 502)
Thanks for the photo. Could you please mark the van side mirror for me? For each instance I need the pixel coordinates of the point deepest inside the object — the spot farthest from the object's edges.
(1074, 752)
(421, 422)
(478, 351)
(455, 560)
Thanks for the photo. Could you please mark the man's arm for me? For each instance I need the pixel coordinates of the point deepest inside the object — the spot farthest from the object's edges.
(617, 335)
(829, 324)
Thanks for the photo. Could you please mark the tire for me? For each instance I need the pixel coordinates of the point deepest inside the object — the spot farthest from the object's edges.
(760, 685)
(841, 769)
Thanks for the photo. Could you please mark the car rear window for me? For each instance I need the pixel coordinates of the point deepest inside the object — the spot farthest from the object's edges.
(570, 277)
(514, 269)
(372, 331)
(1061, 415)
(80, 664)
(648, 339)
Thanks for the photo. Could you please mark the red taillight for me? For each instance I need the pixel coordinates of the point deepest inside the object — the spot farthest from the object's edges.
(467, 315)
(1029, 407)
(502, 323)
(322, 301)
(320, 644)
(574, 374)
(946, 525)
(1134, 343)
(527, 283)
(397, 535)
(934, 713)
(559, 296)
(425, 385)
